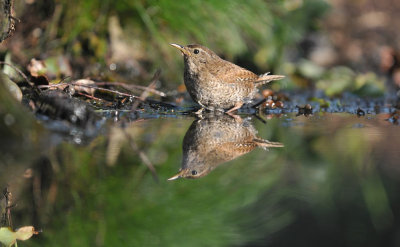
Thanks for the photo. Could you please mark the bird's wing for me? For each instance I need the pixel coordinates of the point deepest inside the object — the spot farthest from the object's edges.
(266, 78)
(231, 150)
(231, 73)
(267, 144)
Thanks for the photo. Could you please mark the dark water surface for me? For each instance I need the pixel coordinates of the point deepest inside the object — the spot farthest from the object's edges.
(329, 178)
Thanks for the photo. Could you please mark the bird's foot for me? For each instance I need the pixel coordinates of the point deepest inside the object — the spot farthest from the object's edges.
(199, 112)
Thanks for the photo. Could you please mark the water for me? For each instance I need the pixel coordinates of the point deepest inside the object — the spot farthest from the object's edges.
(335, 181)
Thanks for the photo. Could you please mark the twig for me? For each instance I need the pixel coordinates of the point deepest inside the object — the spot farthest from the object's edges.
(151, 85)
(63, 79)
(145, 93)
(130, 86)
(19, 71)
(259, 103)
(106, 90)
(15, 19)
(89, 86)
(89, 96)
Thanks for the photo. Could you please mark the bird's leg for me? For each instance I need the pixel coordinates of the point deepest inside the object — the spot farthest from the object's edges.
(200, 111)
(235, 107)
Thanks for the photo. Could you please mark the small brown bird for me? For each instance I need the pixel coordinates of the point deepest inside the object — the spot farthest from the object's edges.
(216, 84)
(214, 140)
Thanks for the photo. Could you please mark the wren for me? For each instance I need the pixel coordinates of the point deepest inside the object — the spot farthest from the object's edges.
(214, 140)
(216, 84)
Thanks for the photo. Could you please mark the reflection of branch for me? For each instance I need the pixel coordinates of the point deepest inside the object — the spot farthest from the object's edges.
(259, 103)
(260, 118)
(37, 192)
(7, 20)
(8, 205)
(3, 217)
(143, 157)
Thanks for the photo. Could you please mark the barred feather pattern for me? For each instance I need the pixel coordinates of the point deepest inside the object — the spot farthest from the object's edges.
(266, 78)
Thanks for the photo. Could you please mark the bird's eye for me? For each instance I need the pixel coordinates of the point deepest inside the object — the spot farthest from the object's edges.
(196, 51)
(194, 172)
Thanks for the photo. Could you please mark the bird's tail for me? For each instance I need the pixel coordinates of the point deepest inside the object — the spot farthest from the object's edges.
(267, 144)
(265, 78)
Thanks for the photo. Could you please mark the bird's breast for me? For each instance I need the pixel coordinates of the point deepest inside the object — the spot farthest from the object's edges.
(212, 91)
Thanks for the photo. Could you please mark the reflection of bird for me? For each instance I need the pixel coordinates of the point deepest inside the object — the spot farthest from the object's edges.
(216, 84)
(212, 141)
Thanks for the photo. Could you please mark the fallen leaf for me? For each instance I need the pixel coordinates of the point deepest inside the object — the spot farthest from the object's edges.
(37, 68)
(25, 232)
(85, 82)
(8, 237)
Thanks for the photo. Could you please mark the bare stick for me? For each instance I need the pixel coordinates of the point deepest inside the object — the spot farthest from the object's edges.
(131, 86)
(63, 79)
(145, 93)
(19, 71)
(90, 97)
(89, 86)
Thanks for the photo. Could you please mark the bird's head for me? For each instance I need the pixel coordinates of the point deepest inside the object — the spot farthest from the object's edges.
(190, 173)
(197, 57)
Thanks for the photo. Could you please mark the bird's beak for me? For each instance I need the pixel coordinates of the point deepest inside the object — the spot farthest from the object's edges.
(181, 48)
(178, 175)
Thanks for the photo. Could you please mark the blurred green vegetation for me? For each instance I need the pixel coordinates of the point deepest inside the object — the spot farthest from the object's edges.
(256, 32)
(134, 36)
(102, 205)
(329, 180)
(258, 198)
(333, 81)
(326, 185)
